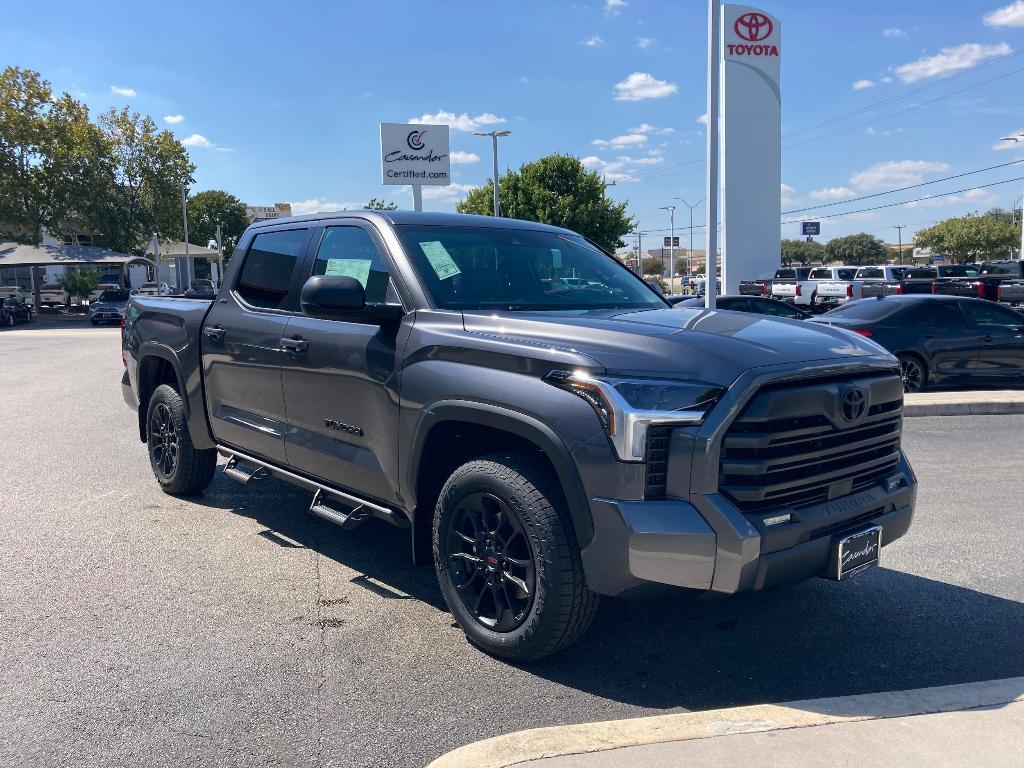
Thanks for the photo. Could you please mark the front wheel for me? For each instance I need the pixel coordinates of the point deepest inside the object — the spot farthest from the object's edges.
(914, 374)
(507, 559)
(179, 467)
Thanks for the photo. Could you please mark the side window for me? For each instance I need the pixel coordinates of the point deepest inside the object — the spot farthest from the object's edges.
(776, 308)
(940, 315)
(351, 252)
(267, 273)
(983, 315)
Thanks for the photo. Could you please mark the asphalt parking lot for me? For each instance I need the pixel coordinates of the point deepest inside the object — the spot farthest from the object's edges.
(236, 629)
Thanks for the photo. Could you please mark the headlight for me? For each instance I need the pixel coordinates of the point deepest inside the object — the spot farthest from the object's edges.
(626, 407)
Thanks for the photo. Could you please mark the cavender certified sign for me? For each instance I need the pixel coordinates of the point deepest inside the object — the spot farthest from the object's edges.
(414, 154)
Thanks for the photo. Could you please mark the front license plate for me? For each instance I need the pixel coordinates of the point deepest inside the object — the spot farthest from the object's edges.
(856, 553)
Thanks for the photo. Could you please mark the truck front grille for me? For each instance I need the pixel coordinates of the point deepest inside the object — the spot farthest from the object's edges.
(656, 457)
(792, 447)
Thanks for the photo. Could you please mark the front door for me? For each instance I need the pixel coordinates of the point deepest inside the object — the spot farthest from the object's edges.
(1000, 338)
(341, 379)
(242, 352)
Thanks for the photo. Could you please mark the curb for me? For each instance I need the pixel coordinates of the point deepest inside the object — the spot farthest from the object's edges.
(993, 403)
(540, 743)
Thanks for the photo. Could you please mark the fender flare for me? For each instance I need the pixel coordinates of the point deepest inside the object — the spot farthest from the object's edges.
(199, 429)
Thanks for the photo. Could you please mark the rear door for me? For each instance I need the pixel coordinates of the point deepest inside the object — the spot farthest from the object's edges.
(940, 329)
(341, 384)
(242, 353)
(1000, 338)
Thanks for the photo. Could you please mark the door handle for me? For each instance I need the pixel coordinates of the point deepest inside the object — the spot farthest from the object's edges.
(295, 344)
(215, 333)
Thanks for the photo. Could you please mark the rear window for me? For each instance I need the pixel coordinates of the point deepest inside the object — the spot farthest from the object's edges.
(871, 273)
(921, 273)
(865, 309)
(994, 268)
(847, 274)
(959, 270)
(114, 296)
(821, 274)
(267, 273)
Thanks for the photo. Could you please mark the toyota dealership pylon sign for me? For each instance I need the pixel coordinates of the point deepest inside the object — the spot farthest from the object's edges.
(751, 144)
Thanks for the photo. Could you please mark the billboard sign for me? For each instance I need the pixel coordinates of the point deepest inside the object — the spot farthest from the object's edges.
(671, 242)
(414, 154)
(810, 228)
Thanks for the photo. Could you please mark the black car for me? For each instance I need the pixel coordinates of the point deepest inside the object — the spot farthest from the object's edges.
(940, 339)
(760, 305)
(13, 311)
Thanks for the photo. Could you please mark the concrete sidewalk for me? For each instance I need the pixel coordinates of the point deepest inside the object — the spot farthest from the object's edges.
(972, 724)
(972, 403)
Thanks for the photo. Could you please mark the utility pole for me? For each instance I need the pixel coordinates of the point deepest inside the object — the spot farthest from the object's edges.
(671, 241)
(899, 231)
(714, 97)
(689, 251)
(1019, 138)
(495, 135)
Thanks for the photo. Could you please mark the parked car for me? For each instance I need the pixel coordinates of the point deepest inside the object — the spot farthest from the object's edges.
(835, 286)
(760, 305)
(201, 289)
(984, 285)
(14, 311)
(100, 288)
(918, 280)
(155, 289)
(17, 292)
(109, 307)
(940, 339)
(794, 285)
(540, 446)
(53, 295)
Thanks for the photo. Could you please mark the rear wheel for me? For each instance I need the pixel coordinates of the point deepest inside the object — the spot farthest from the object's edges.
(915, 374)
(179, 467)
(507, 560)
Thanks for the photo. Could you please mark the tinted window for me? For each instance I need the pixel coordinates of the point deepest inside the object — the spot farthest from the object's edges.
(785, 274)
(865, 309)
(351, 252)
(776, 308)
(871, 273)
(821, 274)
(958, 270)
(1000, 269)
(921, 272)
(945, 314)
(847, 274)
(114, 296)
(990, 316)
(267, 272)
(899, 272)
(734, 304)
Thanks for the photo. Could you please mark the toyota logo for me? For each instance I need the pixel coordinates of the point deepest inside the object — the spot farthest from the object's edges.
(754, 27)
(415, 139)
(854, 404)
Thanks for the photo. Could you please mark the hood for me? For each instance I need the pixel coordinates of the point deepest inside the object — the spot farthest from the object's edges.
(715, 346)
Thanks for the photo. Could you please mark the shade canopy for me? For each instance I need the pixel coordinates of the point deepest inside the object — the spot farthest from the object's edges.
(19, 255)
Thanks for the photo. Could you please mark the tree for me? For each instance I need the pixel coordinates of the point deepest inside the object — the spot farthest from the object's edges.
(857, 249)
(682, 265)
(653, 265)
(557, 190)
(801, 251)
(973, 237)
(208, 209)
(78, 284)
(380, 205)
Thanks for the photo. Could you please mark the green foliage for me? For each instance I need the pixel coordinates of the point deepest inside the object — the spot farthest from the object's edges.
(652, 265)
(79, 283)
(208, 209)
(856, 249)
(801, 251)
(682, 265)
(557, 190)
(974, 237)
(380, 205)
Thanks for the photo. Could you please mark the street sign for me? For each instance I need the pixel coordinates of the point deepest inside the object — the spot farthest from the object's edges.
(414, 154)
(810, 227)
(671, 242)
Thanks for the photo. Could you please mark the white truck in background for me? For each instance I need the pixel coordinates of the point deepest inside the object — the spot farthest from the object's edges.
(836, 285)
(794, 285)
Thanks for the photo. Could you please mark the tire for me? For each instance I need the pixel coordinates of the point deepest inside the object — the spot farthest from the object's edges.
(179, 467)
(494, 514)
(914, 371)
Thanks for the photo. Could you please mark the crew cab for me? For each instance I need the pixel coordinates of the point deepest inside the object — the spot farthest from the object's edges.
(541, 443)
(985, 284)
(794, 284)
(919, 280)
(835, 286)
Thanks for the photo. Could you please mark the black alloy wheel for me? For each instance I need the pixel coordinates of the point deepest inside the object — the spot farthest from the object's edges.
(914, 376)
(490, 562)
(163, 441)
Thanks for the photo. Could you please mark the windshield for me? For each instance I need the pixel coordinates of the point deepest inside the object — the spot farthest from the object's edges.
(520, 269)
(114, 296)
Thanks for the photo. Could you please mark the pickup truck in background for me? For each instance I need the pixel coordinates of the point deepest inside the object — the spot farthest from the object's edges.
(919, 280)
(794, 285)
(1011, 294)
(756, 287)
(835, 286)
(541, 442)
(986, 283)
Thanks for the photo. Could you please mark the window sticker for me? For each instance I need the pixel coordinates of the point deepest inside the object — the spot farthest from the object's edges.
(439, 258)
(357, 268)
(556, 258)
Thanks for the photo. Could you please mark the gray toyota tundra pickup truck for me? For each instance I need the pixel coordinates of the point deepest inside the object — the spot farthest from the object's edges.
(546, 427)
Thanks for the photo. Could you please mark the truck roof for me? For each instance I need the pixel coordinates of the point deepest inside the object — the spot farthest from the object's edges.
(425, 218)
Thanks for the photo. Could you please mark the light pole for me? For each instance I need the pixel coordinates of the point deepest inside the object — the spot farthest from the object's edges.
(671, 241)
(714, 126)
(689, 251)
(494, 145)
(899, 230)
(187, 282)
(1017, 140)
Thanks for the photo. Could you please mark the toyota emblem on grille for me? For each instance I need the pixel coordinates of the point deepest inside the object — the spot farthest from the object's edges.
(854, 404)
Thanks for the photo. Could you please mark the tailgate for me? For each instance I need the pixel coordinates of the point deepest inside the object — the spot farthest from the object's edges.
(835, 288)
(871, 290)
(1012, 293)
(784, 289)
(952, 286)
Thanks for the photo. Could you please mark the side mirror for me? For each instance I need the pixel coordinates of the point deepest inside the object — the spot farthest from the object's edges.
(343, 298)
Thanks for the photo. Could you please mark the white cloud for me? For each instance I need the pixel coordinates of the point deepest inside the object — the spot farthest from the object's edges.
(1001, 145)
(619, 168)
(789, 196)
(643, 43)
(949, 60)
(1010, 16)
(640, 86)
(463, 122)
(464, 158)
(590, 42)
(832, 193)
(628, 140)
(885, 79)
(894, 173)
(319, 205)
(970, 196)
(450, 192)
(648, 128)
(703, 119)
(173, 119)
(893, 32)
(197, 140)
(614, 6)
(120, 91)
(860, 85)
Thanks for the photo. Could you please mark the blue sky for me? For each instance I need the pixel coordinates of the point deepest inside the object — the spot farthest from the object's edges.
(280, 102)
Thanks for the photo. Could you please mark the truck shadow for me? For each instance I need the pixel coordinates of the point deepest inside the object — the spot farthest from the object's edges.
(884, 631)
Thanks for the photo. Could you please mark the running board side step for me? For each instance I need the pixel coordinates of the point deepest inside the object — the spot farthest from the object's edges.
(244, 475)
(347, 518)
